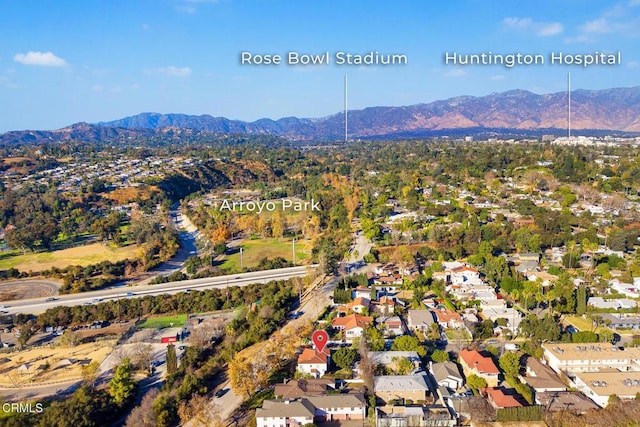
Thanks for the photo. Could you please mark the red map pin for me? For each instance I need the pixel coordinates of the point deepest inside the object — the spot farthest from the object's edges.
(320, 339)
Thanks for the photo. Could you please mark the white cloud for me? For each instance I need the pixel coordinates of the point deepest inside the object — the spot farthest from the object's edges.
(542, 29)
(172, 71)
(518, 23)
(97, 88)
(45, 59)
(598, 26)
(497, 77)
(619, 20)
(456, 72)
(545, 30)
(633, 64)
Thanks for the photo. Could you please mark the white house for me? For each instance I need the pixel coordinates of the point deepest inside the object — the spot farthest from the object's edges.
(313, 362)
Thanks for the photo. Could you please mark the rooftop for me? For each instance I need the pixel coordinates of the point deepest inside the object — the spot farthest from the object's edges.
(608, 383)
(312, 356)
(482, 363)
(589, 351)
(572, 401)
(275, 408)
(400, 383)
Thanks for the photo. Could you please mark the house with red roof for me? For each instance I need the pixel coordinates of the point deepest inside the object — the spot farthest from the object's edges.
(475, 363)
(313, 362)
(360, 305)
(498, 399)
(352, 325)
(448, 318)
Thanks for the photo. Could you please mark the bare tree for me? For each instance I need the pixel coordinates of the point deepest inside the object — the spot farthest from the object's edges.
(143, 415)
(200, 412)
(143, 355)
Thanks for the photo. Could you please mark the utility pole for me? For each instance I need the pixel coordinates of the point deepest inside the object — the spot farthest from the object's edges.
(241, 265)
(293, 251)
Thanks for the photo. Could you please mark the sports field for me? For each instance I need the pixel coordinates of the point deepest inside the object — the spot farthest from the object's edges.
(82, 255)
(164, 322)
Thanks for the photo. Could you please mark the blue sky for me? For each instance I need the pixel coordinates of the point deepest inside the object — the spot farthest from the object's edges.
(64, 61)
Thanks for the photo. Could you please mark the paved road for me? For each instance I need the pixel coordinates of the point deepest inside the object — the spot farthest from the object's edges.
(39, 305)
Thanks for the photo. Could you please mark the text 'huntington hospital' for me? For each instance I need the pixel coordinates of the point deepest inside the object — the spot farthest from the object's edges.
(514, 59)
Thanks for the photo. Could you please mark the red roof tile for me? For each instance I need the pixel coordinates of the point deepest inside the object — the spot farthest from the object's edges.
(483, 364)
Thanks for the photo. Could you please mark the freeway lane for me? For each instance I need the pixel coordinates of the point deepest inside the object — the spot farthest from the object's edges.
(39, 305)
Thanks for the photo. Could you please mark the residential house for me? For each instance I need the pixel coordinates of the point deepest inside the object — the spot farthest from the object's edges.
(285, 413)
(390, 358)
(386, 305)
(361, 293)
(546, 278)
(615, 304)
(499, 399)
(572, 401)
(420, 320)
(295, 388)
(352, 325)
(404, 388)
(360, 305)
(311, 409)
(497, 309)
(620, 321)
(628, 289)
(339, 407)
(573, 358)
(541, 378)
(448, 318)
(446, 374)
(476, 363)
(414, 416)
(313, 362)
(394, 326)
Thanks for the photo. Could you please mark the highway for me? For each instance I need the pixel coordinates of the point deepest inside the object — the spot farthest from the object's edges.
(39, 305)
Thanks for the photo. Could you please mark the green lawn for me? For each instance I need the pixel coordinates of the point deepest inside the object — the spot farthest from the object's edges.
(164, 322)
(255, 250)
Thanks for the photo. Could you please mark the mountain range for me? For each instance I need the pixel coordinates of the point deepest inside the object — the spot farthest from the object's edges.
(514, 112)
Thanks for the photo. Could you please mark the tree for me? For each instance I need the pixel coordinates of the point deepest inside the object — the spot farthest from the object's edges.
(90, 373)
(69, 338)
(581, 300)
(375, 338)
(172, 359)
(408, 343)
(403, 366)
(344, 357)
(484, 329)
(241, 376)
(510, 364)
(122, 385)
(143, 415)
(439, 356)
(434, 331)
(475, 382)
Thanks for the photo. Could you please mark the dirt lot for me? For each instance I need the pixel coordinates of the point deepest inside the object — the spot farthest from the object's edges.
(24, 289)
(49, 364)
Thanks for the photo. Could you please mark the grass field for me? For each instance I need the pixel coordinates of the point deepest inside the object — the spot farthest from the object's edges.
(81, 255)
(255, 250)
(164, 322)
(585, 324)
